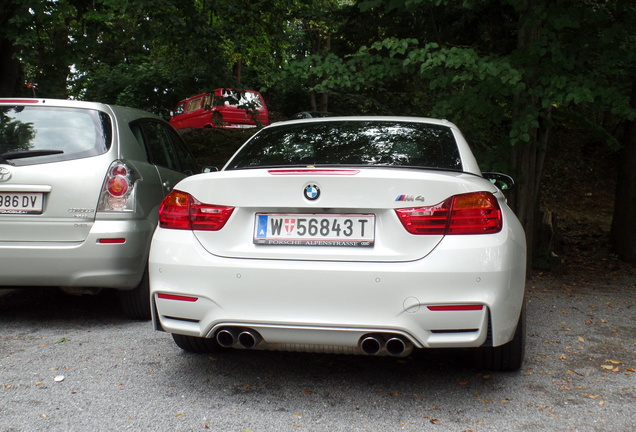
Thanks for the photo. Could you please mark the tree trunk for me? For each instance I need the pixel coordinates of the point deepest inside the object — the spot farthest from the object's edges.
(527, 159)
(324, 96)
(9, 65)
(9, 69)
(324, 102)
(237, 71)
(313, 103)
(321, 43)
(623, 232)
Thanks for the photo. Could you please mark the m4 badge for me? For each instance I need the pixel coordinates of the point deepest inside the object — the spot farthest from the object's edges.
(419, 198)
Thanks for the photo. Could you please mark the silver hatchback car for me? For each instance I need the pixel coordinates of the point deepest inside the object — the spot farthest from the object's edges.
(80, 186)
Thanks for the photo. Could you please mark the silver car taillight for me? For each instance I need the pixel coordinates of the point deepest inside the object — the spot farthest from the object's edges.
(118, 191)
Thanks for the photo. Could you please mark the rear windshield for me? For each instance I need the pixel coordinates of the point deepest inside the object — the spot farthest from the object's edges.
(349, 142)
(41, 134)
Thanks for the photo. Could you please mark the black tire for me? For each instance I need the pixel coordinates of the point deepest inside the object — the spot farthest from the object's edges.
(507, 357)
(136, 302)
(196, 344)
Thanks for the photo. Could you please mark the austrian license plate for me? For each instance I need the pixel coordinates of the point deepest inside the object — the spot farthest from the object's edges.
(314, 229)
(21, 202)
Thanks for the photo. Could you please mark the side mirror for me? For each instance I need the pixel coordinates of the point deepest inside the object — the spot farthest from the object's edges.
(209, 169)
(503, 181)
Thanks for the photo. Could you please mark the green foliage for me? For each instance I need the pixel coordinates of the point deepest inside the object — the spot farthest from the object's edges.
(459, 60)
(147, 54)
(499, 69)
(566, 64)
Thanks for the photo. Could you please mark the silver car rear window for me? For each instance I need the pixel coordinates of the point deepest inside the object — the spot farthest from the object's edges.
(363, 143)
(42, 134)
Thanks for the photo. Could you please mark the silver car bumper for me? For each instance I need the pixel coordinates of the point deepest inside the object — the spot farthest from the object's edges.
(81, 264)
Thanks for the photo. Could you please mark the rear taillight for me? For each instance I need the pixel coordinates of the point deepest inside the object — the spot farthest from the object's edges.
(180, 210)
(471, 213)
(118, 185)
(118, 192)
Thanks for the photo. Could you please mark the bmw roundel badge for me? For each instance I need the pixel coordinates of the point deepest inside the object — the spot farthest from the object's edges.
(312, 192)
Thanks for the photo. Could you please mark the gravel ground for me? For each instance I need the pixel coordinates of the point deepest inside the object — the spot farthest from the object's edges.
(76, 364)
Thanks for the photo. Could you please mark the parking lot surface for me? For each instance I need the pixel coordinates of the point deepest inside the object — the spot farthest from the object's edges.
(76, 364)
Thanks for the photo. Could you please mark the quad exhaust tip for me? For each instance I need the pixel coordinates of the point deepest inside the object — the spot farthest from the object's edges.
(395, 346)
(249, 339)
(370, 344)
(238, 338)
(390, 344)
(226, 338)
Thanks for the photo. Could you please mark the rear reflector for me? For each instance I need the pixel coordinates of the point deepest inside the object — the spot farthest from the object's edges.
(456, 308)
(111, 240)
(471, 213)
(177, 297)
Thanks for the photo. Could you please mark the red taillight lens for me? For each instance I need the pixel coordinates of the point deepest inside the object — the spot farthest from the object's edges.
(180, 210)
(472, 213)
(475, 213)
(119, 170)
(425, 220)
(118, 191)
(118, 185)
(174, 211)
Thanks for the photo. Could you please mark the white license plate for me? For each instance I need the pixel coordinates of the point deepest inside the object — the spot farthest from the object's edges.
(21, 202)
(314, 229)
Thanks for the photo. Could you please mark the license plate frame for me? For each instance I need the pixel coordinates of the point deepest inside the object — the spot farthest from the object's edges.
(21, 202)
(314, 229)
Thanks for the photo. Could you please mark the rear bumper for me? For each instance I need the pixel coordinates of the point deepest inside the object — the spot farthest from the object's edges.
(296, 303)
(81, 264)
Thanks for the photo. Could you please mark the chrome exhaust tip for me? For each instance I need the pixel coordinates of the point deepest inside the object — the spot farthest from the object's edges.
(371, 345)
(249, 339)
(395, 346)
(226, 338)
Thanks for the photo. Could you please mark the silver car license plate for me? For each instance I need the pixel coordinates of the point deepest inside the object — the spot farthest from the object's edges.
(21, 202)
(296, 229)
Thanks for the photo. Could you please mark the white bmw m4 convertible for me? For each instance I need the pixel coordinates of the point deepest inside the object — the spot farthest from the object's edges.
(353, 235)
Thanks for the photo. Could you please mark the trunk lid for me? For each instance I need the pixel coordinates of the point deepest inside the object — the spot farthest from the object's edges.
(356, 191)
(69, 191)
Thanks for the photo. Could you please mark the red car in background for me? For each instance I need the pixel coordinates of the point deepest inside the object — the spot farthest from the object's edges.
(223, 107)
